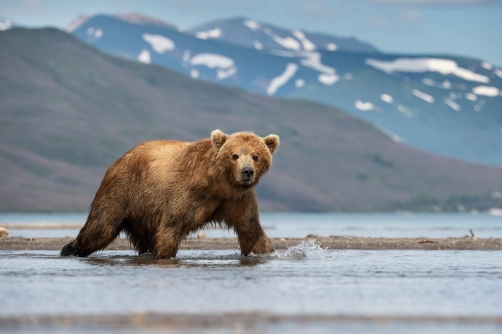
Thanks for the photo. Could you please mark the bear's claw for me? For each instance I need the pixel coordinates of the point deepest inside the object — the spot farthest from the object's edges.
(68, 250)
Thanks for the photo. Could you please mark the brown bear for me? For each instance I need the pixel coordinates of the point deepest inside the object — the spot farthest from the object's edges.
(160, 191)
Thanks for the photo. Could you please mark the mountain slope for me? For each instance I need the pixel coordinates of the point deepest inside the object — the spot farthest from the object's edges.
(443, 104)
(68, 111)
(253, 34)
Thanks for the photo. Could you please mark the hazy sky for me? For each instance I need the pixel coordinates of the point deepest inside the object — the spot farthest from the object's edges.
(461, 27)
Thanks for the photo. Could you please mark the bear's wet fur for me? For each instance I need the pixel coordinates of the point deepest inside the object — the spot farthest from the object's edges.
(161, 191)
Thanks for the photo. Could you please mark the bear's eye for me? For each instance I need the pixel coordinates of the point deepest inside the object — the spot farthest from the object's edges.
(235, 156)
(255, 158)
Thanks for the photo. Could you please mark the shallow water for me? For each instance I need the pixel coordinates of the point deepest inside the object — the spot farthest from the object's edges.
(299, 281)
(302, 280)
(299, 225)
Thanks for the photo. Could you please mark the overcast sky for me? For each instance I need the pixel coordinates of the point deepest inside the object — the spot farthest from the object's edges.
(460, 27)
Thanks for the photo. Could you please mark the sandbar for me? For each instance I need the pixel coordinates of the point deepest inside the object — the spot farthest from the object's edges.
(332, 242)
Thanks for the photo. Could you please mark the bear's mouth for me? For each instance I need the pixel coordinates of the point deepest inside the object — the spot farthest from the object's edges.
(246, 182)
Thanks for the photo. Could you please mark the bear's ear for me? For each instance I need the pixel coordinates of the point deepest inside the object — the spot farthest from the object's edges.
(272, 142)
(218, 138)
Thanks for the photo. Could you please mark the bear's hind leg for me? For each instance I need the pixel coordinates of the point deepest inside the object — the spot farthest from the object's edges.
(167, 242)
(98, 232)
(142, 242)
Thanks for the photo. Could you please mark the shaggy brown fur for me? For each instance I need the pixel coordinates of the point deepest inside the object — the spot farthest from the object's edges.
(160, 191)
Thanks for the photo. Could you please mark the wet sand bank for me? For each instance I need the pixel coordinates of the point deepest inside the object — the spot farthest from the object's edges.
(242, 320)
(333, 242)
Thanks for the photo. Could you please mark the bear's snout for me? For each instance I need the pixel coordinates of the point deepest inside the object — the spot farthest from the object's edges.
(247, 173)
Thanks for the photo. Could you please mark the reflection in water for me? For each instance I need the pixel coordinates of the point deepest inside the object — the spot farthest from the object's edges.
(195, 260)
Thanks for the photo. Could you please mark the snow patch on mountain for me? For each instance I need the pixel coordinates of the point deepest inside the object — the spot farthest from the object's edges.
(415, 65)
(159, 43)
(307, 44)
(470, 76)
(498, 72)
(486, 91)
(486, 66)
(331, 47)
(96, 33)
(402, 109)
(364, 105)
(282, 79)
(194, 73)
(443, 85)
(212, 60)
(328, 79)
(395, 138)
(471, 97)
(313, 61)
(224, 66)
(423, 96)
(225, 73)
(300, 83)
(287, 42)
(213, 33)
(253, 25)
(144, 57)
(386, 98)
(454, 105)
(258, 45)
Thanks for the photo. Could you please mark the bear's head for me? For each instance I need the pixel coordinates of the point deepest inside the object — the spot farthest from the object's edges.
(243, 156)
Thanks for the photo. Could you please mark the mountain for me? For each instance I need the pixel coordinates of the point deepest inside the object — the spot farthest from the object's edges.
(442, 104)
(68, 111)
(133, 18)
(253, 34)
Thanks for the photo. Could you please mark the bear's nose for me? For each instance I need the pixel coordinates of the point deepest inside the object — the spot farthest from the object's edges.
(247, 172)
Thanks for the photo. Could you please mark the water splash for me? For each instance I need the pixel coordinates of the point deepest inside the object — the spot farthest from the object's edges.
(304, 250)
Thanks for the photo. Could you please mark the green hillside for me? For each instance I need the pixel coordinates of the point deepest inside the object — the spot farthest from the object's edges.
(67, 112)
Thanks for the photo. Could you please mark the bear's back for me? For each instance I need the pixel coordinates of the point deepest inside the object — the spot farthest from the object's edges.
(160, 147)
(155, 157)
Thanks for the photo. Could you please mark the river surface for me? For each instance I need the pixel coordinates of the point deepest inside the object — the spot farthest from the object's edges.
(298, 225)
(303, 280)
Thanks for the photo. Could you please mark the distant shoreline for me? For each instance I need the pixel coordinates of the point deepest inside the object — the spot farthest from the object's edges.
(332, 242)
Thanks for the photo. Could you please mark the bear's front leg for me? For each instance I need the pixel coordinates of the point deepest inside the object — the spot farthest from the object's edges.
(252, 238)
(263, 245)
(243, 216)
